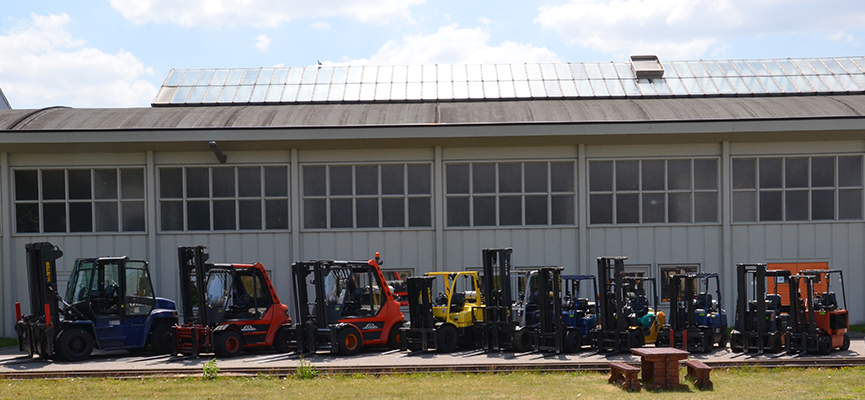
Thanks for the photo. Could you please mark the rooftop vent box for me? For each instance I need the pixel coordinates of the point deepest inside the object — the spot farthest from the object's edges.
(647, 67)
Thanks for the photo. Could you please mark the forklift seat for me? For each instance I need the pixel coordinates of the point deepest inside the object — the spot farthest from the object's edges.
(773, 301)
(828, 301)
(640, 305)
(705, 302)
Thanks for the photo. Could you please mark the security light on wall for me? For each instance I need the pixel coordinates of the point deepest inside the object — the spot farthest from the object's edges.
(217, 152)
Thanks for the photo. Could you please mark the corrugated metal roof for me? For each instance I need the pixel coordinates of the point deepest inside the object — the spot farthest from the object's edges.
(445, 113)
(444, 82)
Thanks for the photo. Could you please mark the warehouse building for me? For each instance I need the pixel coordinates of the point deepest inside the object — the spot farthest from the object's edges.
(681, 166)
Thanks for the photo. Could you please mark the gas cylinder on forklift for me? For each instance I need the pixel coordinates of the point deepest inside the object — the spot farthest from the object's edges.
(351, 307)
(227, 307)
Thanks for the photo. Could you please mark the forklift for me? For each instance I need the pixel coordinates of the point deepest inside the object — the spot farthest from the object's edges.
(818, 323)
(580, 312)
(352, 307)
(109, 305)
(227, 307)
(540, 325)
(499, 323)
(448, 320)
(697, 321)
(628, 316)
(761, 320)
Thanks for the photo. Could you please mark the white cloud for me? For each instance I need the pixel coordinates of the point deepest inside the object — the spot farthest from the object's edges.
(454, 45)
(258, 13)
(321, 25)
(262, 42)
(687, 29)
(42, 65)
(484, 20)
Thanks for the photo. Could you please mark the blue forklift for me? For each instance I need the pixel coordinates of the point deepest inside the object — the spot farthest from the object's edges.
(697, 320)
(109, 305)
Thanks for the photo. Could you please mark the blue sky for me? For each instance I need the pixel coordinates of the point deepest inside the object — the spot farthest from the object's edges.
(116, 53)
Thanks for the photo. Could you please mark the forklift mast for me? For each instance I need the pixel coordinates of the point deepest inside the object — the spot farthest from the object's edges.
(752, 330)
(192, 263)
(550, 332)
(610, 271)
(499, 319)
(36, 332)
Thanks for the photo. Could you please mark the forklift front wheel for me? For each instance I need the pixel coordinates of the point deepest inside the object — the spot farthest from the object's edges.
(280, 341)
(523, 340)
(162, 340)
(75, 344)
(573, 341)
(349, 341)
(228, 344)
(446, 339)
(394, 339)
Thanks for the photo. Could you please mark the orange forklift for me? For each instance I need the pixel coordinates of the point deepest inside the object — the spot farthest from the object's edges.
(352, 306)
(227, 307)
(818, 323)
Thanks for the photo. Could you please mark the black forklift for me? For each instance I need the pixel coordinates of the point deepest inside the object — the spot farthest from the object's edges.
(500, 321)
(761, 320)
(818, 322)
(351, 307)
(541, 327)
(697, 320)
(615, 334)
(109, 305)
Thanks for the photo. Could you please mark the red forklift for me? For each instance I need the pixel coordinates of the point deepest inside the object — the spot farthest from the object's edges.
(227, 307)
(818, 323)
(352, 306)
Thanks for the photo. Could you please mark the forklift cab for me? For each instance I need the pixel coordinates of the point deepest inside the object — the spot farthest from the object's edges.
(110, 287)
(235, 294)
(352, 292)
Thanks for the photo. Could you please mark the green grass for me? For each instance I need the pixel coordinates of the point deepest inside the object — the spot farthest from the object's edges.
(7, 342)
(858, 328)
(745, 383)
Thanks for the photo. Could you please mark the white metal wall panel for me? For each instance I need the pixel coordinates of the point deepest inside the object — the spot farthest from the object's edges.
(532, 247)
(399, 249)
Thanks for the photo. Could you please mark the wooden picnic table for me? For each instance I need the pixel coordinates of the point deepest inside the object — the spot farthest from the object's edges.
(660, 366)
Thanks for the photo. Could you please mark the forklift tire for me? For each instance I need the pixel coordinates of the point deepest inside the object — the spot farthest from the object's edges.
(824, 344)
(228, 344)
(573, 341)
(446, 339)
(846, 345)
(523, 340)
(162, 340)
(349, 341)
(280, 341)
(74, 344)
(394, 339)
(723, 342)
(775, 343)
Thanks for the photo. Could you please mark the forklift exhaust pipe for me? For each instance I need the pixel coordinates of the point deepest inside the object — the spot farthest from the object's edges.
(17, 311)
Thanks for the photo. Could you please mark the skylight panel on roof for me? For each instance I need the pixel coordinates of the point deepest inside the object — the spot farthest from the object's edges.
(385, 74)
(474, 73)
(415, 73)
(196, 94)
(219, 77)
(608, 71)
(279, 76)
(181, 94)
(274, 93)
(599, 87)
(244, 92)
(445, 75)
(770, 84)
(258, 93)
(174, 77)
(190, 77)
(697, 69)
(459, 74)
(615, 87)
(503, 71)
(227, 95)
(234, 77)
(754, 84)
(568, 88)
(728, 68)
(713, 69)
(802, 84)
(304, 93)
(676, 86)
(682, 69)
(593, 71)
(352, 92)
(834, 66)
(818, 66)
(849, 65)
(739, 85)
(860, 79)
(398, 91)
(832, 83)
(290, 93)
(723, 85)
(295, 76)
(788, 67)
(264, 76)
(519, 72)
(537, 88)
(578, 71)
(491, 90)
(488, 73)
(742, 68)
(340, 74)
(661, 87)
(460, 89)
(584, 88)
(692, 86)
(707, 85)
(548, 71)
(367, 92)
(324, 75)
(354, 74)
(506, 89)
(803, 67)
(553, 89)
(646, 87)
(785, 84)
(533, 72)
(382, 90)
(848, 82)
(521, 89)
(428, 91)
(429, 74)
(476, 90)
(563, 72)
(630, 86)
(319, 93)
(624, 70)
(413, 91)
(310, 74)
(250, 76)
(336, 92)
(446, 90)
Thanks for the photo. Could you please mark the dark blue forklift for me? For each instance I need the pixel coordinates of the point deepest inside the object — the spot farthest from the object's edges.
(697, 320)
(109, 305)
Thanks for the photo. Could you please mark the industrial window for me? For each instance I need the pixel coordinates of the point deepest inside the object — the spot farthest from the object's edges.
(653, 191)
(367, 196)
(79, 200)
(797, 188)
(510, 194)
(223, 198)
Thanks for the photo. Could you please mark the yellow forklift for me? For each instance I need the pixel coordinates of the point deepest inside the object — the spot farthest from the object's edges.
(449, 319)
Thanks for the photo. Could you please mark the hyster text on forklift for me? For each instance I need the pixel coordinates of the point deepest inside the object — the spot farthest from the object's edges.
(351, 307)
(233, 307)
(109, 305)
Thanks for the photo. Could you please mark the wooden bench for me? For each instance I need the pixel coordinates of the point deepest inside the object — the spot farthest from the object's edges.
(698, 372)
(625, 375)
